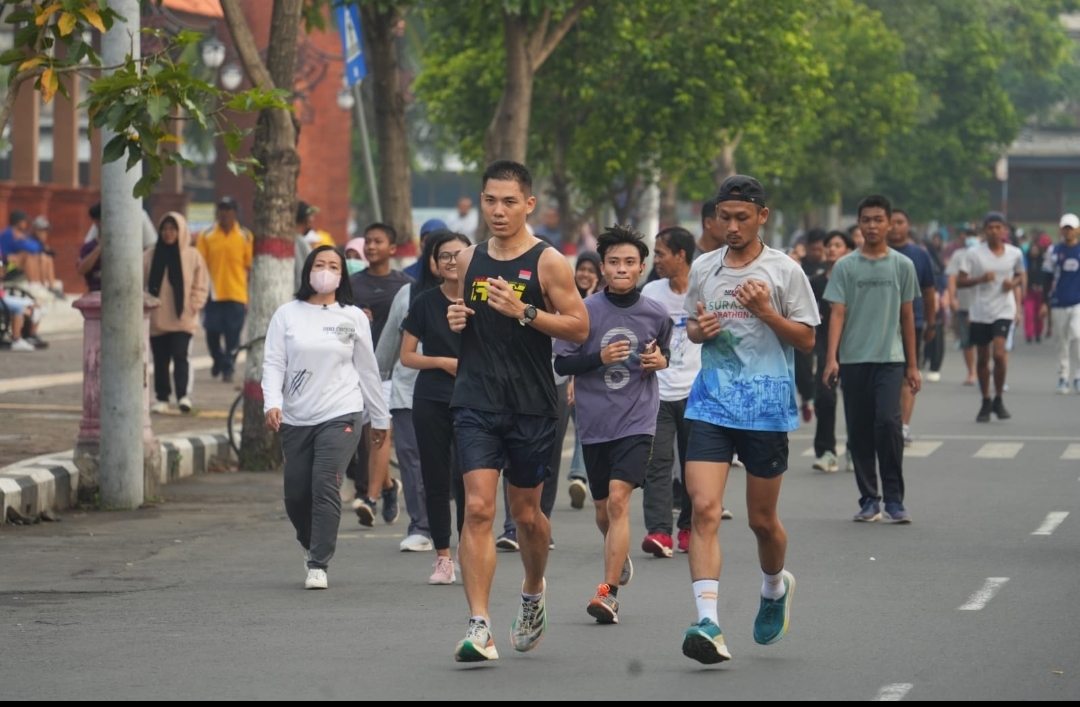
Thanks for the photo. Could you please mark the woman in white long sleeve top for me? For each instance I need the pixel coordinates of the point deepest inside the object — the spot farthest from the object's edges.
(319, 377)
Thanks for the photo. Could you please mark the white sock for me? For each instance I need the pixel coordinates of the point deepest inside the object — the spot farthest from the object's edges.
(705, 591)
(483, 619)
(907, 428)
(772, 585)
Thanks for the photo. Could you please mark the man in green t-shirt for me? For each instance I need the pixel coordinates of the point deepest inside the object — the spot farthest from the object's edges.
(871, 352)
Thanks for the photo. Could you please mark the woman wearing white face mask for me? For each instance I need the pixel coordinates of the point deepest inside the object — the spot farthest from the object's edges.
(319, 377)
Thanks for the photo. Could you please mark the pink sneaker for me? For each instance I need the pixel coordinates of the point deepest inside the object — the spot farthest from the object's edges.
(658, 545)
(684, 541)
(444, 571)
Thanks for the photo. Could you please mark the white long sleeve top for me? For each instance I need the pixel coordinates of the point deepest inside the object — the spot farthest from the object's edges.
(319, 363)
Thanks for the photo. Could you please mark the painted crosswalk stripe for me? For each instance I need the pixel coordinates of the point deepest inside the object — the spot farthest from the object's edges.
(999, 450)
(894, 692)
(981, 598)
(1053, 520)
(1071, 452)
(809, 453)
(921, 449)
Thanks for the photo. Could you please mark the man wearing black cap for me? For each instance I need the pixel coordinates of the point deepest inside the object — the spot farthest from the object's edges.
(227, 249)
(750, 307)
(996, 271)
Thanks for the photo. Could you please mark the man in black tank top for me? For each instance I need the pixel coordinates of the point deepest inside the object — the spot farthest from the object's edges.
(517, 294)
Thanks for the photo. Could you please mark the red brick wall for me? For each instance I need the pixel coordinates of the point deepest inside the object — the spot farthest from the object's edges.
(325, 142)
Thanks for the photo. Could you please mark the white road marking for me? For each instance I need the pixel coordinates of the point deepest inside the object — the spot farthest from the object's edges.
(964, 438)
(1071, 452)
(1053, 520)
(50, 380)
(981, 598)
(809, 453)
(921, 449)
(999, 450)
(894, 692)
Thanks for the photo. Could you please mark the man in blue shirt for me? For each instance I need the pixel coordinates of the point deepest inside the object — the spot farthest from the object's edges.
(1064, 307)
(925, 307)
(21, 252)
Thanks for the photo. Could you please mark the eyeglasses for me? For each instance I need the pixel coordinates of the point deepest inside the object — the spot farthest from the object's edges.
(447, 257)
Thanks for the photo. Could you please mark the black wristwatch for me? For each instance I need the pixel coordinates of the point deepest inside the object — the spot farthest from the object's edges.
(530, 314)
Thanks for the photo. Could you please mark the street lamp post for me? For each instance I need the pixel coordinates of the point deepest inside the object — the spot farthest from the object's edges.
(349, 99)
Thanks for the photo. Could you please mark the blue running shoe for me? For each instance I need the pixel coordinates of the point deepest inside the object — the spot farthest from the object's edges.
(508, 541)
(897, 513)
(771, 623)
(704, 642)
(870, 512)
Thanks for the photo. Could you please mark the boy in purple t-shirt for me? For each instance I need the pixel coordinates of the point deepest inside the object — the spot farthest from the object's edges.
(617, 399)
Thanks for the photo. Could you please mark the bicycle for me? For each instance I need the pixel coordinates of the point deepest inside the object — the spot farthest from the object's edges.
(236, 411)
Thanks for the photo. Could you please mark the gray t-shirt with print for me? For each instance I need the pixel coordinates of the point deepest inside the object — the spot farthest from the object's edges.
(747, 378)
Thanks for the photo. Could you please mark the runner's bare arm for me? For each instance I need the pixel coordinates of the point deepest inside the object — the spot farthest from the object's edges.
(570, 321)
(458, 314)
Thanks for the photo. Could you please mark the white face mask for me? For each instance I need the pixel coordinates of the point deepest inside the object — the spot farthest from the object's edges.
(971, 241)
(324, 281)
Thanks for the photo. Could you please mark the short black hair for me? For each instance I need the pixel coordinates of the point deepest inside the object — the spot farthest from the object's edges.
(617, 235)
(708, 210)
(16, 217)
(845, 237)
(343, 294)
(875, 201)
(900, 211)
(852, 228)
(385, 228)
(508, 171)
(815, 235)
(678, 240)
(95, 211)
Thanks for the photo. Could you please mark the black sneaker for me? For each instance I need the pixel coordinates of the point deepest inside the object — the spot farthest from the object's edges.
(998, 409)
(984, 411)
(226, 377)
(390, 508)
(215, 370)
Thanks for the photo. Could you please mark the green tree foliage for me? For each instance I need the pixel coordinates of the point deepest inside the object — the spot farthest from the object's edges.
(134, 99)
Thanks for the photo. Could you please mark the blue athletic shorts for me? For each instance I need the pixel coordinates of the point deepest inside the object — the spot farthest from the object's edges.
(519, 445)
(764, 454)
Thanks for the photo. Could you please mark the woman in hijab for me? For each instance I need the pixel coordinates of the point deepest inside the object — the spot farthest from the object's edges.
(355, 261)
(176, 274)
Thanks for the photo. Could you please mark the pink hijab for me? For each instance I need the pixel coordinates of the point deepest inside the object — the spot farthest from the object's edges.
(356, 244)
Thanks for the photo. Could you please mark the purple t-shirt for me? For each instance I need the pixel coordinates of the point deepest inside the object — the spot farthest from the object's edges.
(93, 277)
(617, 400)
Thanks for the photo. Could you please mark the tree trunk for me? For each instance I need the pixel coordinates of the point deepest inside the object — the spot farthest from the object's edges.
(560, 186)
(391, 132)
(271, 284)
(669, 192)
(725, 162)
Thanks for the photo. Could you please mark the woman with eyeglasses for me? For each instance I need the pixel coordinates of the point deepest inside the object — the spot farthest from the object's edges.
(429, 346)
(319, 378)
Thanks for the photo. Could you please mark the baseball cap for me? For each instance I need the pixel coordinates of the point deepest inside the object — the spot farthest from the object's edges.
(304, 209)
(1070, 221)
(995, 217)
(41, 224)
(741, 188)
(432, 224)
(227, 202)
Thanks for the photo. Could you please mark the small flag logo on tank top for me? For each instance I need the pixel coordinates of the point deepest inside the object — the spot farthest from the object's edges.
(525, 274)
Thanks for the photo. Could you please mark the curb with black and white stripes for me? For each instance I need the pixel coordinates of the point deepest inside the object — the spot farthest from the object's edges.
(51, 481)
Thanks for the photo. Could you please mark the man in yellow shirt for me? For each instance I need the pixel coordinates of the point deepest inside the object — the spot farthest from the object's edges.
(227, 249)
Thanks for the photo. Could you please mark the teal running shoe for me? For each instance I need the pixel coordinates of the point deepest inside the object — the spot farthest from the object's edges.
(704, 642)
(773, 615)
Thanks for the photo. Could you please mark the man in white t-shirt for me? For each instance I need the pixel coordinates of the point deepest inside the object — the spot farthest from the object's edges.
(995, 272)
(960, 301)
(465, 220)
(673, 254)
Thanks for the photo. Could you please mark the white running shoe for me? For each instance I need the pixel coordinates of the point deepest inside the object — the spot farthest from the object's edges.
(185, 404)
(416, 543)
(933, 376)
(531, 622)
(627, 572)
(159, 406)
(316, 579)
(22, 345)
(827, 462)
(735, 460)
(478, 645)
(578, 492)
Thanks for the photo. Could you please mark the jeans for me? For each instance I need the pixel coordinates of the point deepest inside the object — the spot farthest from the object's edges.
(412, 483)
(315, 457)
(170, 348)
(872, 406)
(224, 319)
(672, 430)
(551, 486)
(577, 462)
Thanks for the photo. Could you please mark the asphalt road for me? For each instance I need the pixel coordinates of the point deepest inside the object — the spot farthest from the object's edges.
(201, 597)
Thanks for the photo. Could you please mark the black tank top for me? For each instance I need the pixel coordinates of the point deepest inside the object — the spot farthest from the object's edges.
(503, 366)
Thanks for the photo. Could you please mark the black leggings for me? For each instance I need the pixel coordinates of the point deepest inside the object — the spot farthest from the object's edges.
(166, 348)
(434, 422)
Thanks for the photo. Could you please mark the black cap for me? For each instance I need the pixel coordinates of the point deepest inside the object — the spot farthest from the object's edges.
(995, 216)
(303, 210)
(741, 188)
(227, 202)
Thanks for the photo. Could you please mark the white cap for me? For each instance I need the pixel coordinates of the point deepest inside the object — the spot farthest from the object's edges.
(1070, 221)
